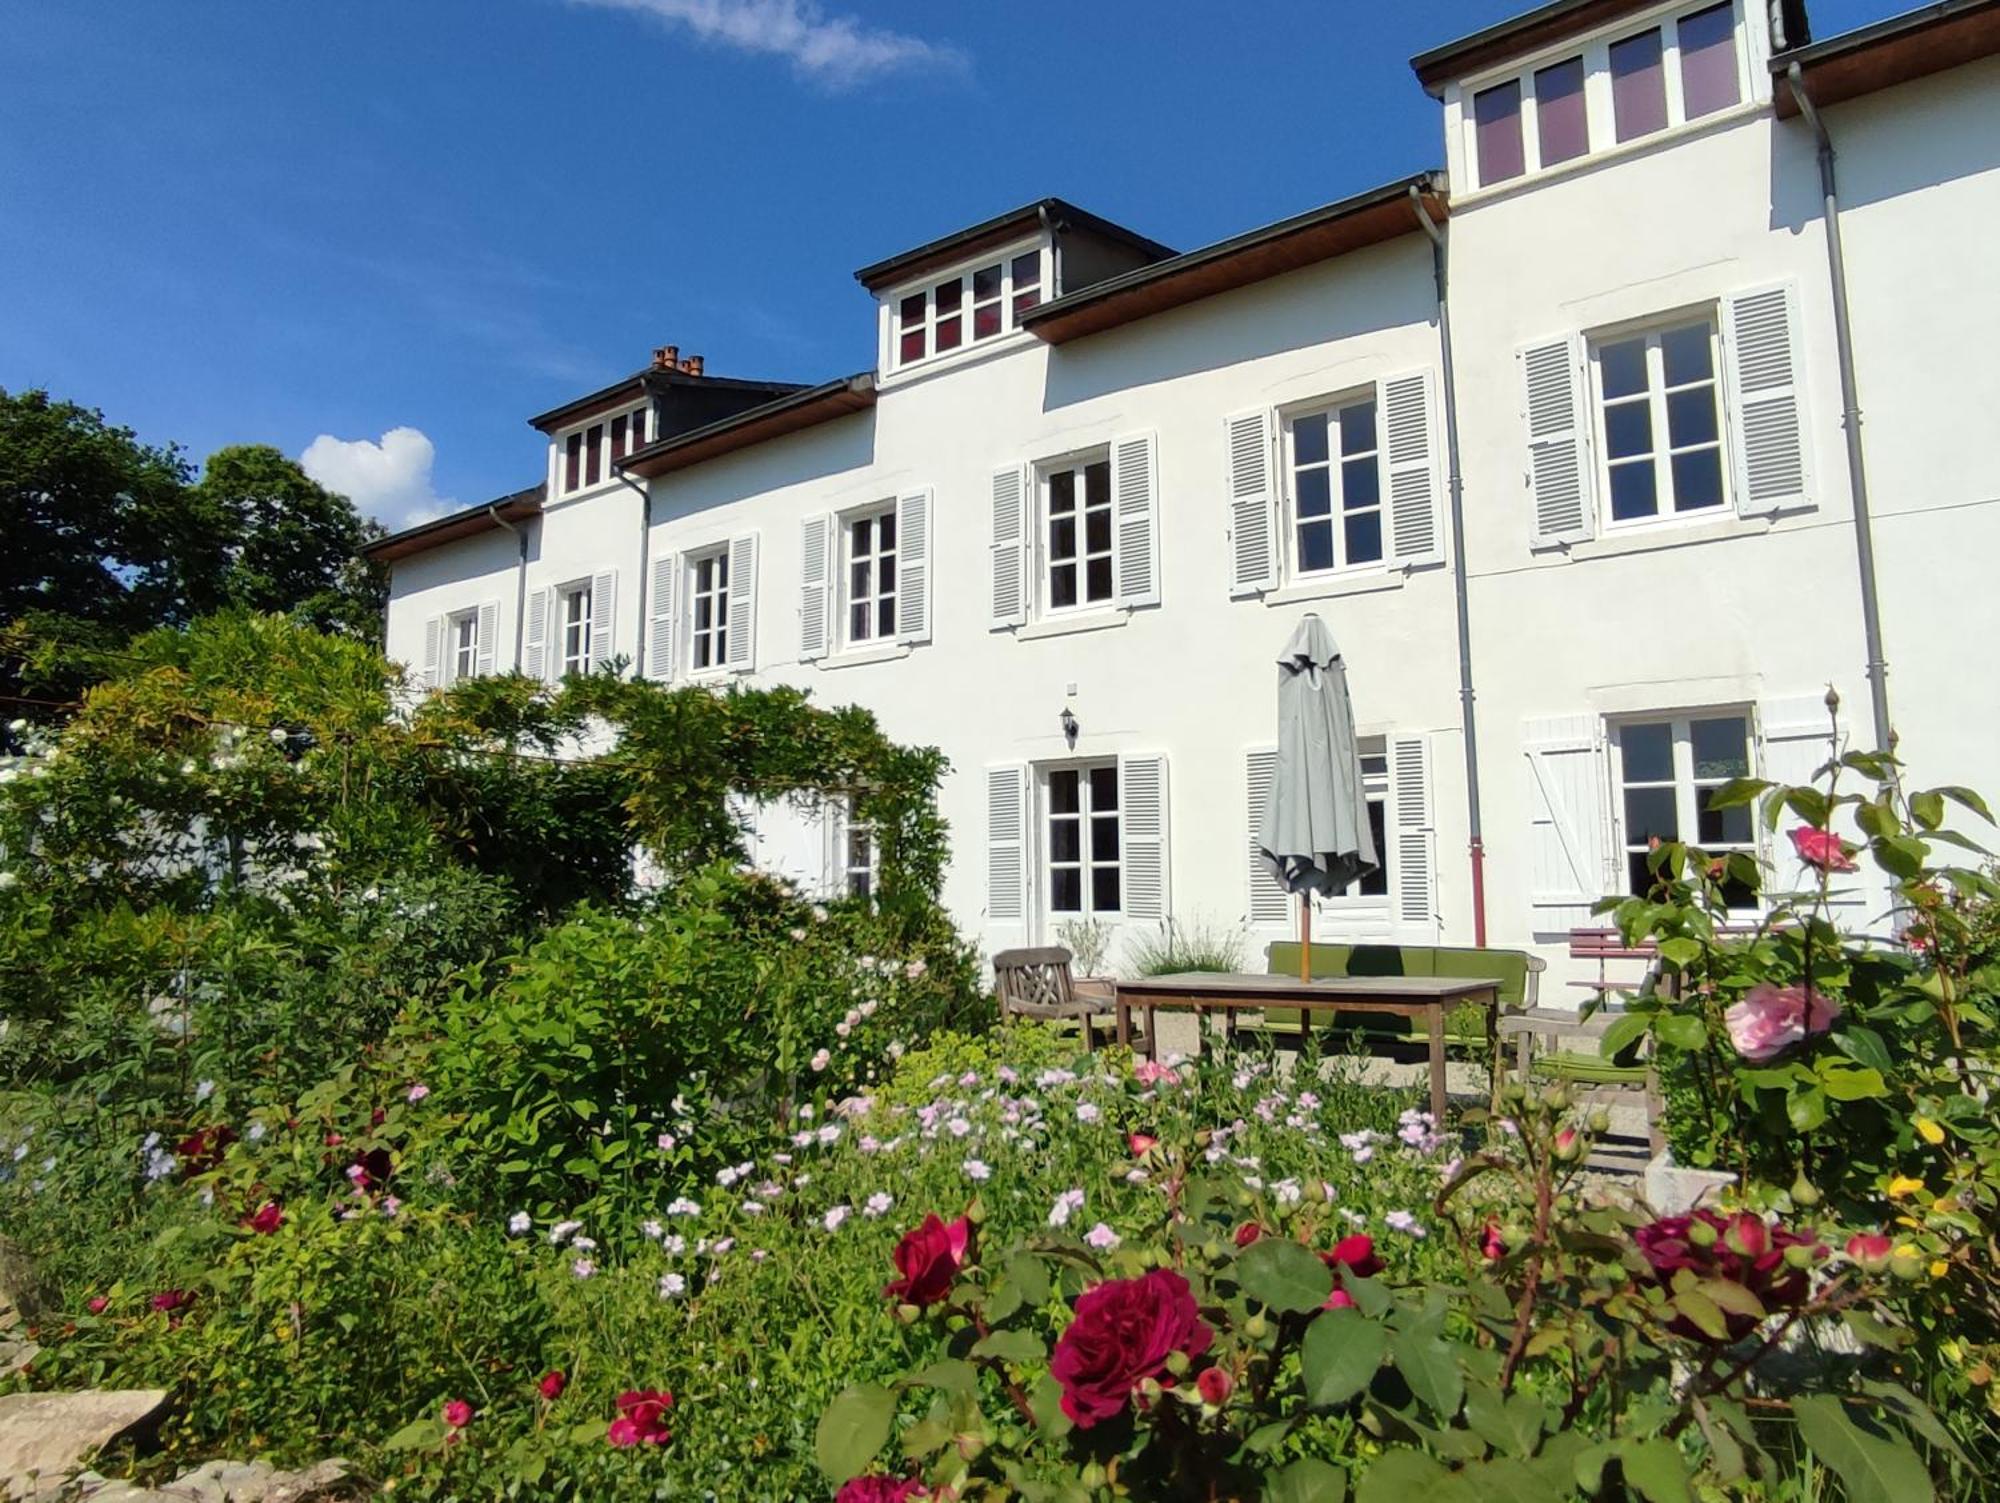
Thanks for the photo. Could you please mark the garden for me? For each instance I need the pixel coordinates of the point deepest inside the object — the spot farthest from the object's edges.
(427, 1081)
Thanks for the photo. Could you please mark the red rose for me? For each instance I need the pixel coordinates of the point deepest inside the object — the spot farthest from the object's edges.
(1141, 1143)
(169, 1300)
(1355, 1255)
(457, 1413)
(880, 1489)
(1247, 1233)
(642, 1418)
(928, 1260)
(1123, 1333)
(552, 1385)
(1740, 1249)
(1214, 1384)
(1492, 1246)
(266, 1219)
(1822, 848)
(203, 1149)
(97, 1304)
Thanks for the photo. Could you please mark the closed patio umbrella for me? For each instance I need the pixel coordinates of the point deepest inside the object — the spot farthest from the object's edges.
(1314, 836)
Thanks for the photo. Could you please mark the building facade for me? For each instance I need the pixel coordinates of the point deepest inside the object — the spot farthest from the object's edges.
(1581, 391)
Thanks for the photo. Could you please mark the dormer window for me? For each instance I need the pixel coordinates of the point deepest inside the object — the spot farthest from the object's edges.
(590, 452)
(975, 305)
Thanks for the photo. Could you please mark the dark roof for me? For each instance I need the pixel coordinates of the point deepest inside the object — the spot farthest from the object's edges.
(485, 517)
(1316, 235)
(658, 382)
(1916, 43)
(997, 231)
(805, 408)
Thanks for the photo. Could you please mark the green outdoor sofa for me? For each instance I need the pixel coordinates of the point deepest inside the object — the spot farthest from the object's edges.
(1466, 1028)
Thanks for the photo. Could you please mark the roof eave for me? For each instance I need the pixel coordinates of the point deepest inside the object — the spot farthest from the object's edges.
(470, 522)
(1515, 36)
(805, 408)
(1913, 45)
(997, 231)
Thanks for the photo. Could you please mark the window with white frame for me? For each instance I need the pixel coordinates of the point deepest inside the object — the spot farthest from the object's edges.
(1077, 549)
(1084, 845)
(1334, 486)
(708, 610)
(868, 544)
(967, 308)
(1687, 64)
(589, 453)
(1667, 769)
(464, 645)
(858, 860)
(1659, 421)
(573, 608)
(1373, 888)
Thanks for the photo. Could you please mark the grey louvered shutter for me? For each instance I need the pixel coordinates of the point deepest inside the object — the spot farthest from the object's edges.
(603, 617)
(1414, 874)
(1253, 523)
(1135, 506)
(1142, 803)
(488, 646)
(1010, 545)
(1269, 903)
(660, 617)
(742, 646)
(816, 586)
(434, 632)
(1558, 453)
(535, 655)
(1007, 844)
(913, 567)
(1760, 334)
(1414, 533)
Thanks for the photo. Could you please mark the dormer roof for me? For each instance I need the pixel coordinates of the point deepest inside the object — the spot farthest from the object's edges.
(1003, 229)
(662, 386)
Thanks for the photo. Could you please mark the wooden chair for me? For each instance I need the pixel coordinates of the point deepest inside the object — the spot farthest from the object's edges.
(1036, 983)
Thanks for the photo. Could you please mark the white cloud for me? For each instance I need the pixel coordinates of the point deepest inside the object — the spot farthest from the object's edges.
(389, 480)
(834, 50)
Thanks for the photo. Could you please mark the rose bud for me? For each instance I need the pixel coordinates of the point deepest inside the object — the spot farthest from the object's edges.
(1214, 1385)
(1801, 1255)
(1804, 1192)
(1247, 1233)
(1870, 1250)
(1567, 1146)
(97, 1304)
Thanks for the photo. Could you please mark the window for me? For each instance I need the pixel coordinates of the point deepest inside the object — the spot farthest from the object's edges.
(1374, 788)
(1562, 126)
(858, 860)
(1667, 770)
(1084, 840)
(574, 656)
(708, 604)
(1496, 114)
(871, 576)
(1660, 427)
(1708, 61)
(1336, 488)
(1076, 503)
(464, 645)
(1638, 85)
(573, 462)
(971, 307)
(589, 453)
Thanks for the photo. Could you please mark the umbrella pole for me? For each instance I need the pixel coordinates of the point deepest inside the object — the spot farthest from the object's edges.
(1305, 937)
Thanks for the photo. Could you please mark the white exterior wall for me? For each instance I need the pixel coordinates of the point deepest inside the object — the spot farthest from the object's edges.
(463, 576)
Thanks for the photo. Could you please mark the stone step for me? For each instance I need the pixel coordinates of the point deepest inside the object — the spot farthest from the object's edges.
(45, 1438)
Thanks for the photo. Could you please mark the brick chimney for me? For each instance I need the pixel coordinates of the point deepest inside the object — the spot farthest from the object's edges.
(692, 365)
(666, 357)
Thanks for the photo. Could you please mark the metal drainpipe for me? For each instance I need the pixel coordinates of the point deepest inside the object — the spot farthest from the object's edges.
(645, 549)
(520, 579)
(1455, 490)
(1850, 419)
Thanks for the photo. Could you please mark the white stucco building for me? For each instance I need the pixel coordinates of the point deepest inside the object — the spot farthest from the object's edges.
(1063, 526)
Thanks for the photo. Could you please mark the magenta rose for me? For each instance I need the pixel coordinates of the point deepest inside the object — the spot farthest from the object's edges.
(1741, 1249)
(879, 1489)
(928, 1260)
(1123, 1333)
(1822, 848)
(1770, 1019)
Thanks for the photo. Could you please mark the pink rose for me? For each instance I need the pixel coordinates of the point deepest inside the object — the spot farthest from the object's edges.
(457, 1413)
(1822, 848)
(1770, 1019)
(1150, 1072)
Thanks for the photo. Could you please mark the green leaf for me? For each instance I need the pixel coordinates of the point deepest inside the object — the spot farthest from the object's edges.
(1284, 1276)
(1399, 1476)
(1703, 1311)
(1864, 1046)
(1306, 1481)
(1902, 855)
(1625, 1030)
(1512, 1425)
(1030, 1275)
(1431, 1369)
(1928, 808)
(1654, 1469)
(1011, 1346)
(951, 1374)
(1876, 1468)
(1369, 1296)
(418, 1435)
(1737, 792)
(1806, 1109)
(1853, 1085)
(1966, 798)
(1917, 1415)
(1267, 1437)
(1003, 1298)
(1045, 1403)
(1809, 804)
(1734, 1298)
(853, 1429)
(1873, 1332)
(1339, 1357)
(1683, 1031)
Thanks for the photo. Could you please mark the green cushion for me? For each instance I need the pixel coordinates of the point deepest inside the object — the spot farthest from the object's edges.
(1465, 1025)
(1588, 1069)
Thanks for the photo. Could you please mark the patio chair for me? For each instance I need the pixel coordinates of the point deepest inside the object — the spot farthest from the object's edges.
(1036, 983)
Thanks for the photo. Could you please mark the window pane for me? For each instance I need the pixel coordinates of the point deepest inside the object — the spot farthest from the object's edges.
(1721, 748)
(1063, 791)
(1104, 838)
(862, 534)
(1638, 874)
(1062, 585)
(1103, 789)
(1691, 417)
(911, 346)
(1065, 840)
(1309, 439)
(1621, 367)
(721, 562)
(1697, 479)
(1104, 890)
(1098, 578)
(1649, 753)
(1708, 60)
(1364, 537)
(1360, 484)
(950, 332)
(949, 295)
(1062, 492)
(986, 321)
(1023, 301)
(886, 571)
(1357, 428)
(1738, 894)
(1097, 483)
(885, 618)
(1628, 430)
(1650, 812)
(618, 437)
(1634, 491)
(704, 605)
(1685, 354)
(1723, 826)
(1062, 537)
(913, 310)
(1376, 883)
(1315, 493)
(1097, 530)
(885, 530)
(593, 454)
(572, 461)
(857, 579)
(1638, 85)
(857, 621)
(1066, 890)
(1028, 268)
(1496, 116)
(1559, 116)
(985, 283)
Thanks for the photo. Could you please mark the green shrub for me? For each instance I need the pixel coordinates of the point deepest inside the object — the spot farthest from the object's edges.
(1178, 946)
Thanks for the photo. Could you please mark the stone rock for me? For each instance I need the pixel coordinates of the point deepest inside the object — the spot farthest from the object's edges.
(46, 1437)
(319, 1483)
(223, 1482)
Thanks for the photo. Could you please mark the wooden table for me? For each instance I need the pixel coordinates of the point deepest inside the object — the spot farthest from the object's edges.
(1203, 992)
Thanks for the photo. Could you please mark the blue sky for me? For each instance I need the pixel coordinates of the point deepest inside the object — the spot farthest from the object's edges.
(315, 225)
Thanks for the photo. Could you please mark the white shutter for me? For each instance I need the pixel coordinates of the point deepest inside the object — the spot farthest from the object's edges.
(434, 630)
(1760, 333)
(660, 617)
(1795, 741)
(742, 654)
(488, 645)
(603, 617)
(1415, 872)
(816, 588)
(1135, 505)
(535, 655)
(1270, 903)
(1413, 479)
(913, 567)
(1253, 522)
(1007, 845)
(1011, 551)
(1570, 831)
(1558, 454)
(1142, 804)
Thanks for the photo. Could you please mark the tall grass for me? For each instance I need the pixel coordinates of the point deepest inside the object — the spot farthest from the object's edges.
(1178, 946)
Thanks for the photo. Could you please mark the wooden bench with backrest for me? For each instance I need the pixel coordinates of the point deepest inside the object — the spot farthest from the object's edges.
(1517, 973)
(1035, 982)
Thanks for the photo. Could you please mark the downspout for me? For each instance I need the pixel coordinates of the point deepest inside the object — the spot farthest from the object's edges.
(520, 578)
(1455, 493)
(1850, 418)
(645, 572)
